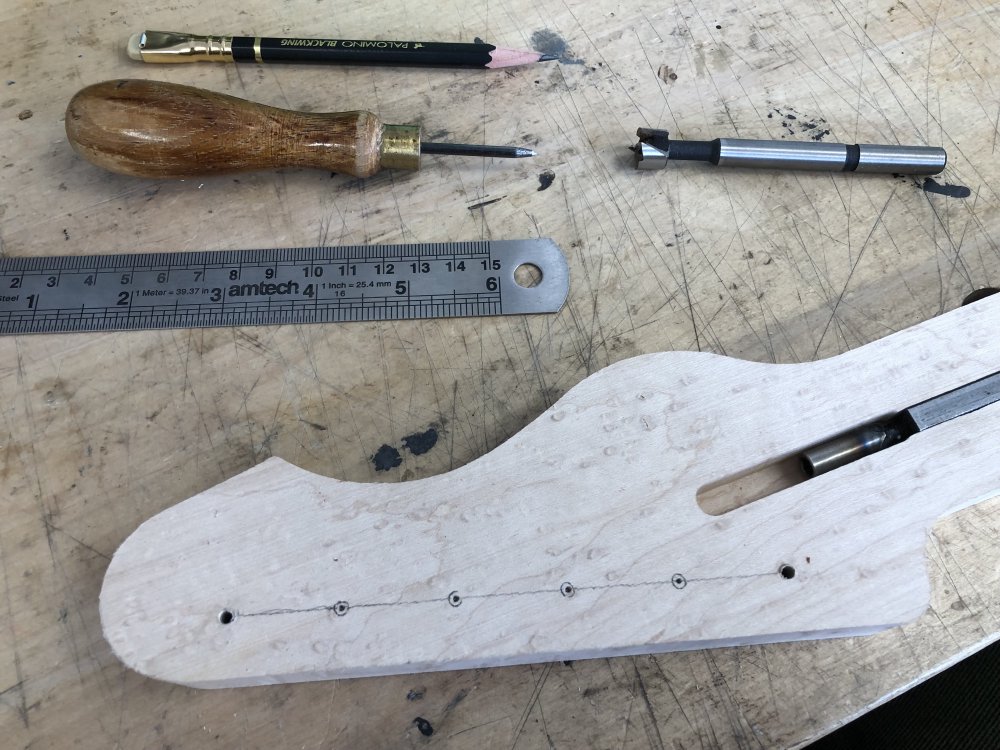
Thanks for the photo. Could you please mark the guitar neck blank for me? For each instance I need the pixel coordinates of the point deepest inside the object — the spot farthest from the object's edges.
(580, 537)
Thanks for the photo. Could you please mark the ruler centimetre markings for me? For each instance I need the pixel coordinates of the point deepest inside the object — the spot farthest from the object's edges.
(277, 286)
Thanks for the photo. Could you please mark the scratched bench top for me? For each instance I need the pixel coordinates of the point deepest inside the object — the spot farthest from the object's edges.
(104, 430)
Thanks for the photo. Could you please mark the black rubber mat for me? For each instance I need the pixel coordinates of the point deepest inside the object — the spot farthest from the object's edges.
(958, 709)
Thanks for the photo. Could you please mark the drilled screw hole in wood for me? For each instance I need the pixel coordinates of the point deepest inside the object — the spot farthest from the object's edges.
(787, 571)
(226, 616)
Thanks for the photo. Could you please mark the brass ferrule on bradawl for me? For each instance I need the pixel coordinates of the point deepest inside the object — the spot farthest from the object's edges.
(400, 147)
(175, 47)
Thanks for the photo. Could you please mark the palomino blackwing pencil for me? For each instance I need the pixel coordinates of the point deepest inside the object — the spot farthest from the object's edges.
(176, 47)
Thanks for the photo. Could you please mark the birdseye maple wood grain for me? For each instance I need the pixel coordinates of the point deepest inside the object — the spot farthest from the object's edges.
(581, 536)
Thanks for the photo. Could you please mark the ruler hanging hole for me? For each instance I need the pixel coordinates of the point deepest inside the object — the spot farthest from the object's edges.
(527, 275)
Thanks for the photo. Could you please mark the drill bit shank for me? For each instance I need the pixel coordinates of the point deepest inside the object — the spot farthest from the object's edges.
(655, 148)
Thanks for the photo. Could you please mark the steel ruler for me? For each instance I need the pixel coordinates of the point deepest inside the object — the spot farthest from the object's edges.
(276, 286)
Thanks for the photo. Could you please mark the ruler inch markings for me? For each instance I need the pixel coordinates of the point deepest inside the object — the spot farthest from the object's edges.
(277, 286)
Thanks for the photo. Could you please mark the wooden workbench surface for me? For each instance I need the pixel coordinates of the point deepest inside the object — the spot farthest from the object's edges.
(101, 431)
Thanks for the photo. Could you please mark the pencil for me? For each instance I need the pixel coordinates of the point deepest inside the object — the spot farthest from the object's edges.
(175, 47)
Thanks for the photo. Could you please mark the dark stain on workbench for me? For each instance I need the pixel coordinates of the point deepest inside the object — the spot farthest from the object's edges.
(795, 123)
(952, 191)
(545, 180)
(420, 442)
(424, 726)
(458, 698)
(386, 458)
(474, 206)
(666, 74)
(549, 42)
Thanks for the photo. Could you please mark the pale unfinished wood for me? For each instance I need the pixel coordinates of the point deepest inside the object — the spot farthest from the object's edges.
(581, 536)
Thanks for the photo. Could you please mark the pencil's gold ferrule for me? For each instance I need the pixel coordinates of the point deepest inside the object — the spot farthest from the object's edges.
(400, 147)
(175, 47)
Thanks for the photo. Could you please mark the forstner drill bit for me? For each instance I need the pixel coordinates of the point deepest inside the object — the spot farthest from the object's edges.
(655, 148)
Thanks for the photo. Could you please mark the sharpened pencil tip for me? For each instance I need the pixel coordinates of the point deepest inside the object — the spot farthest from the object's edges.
(547, 58)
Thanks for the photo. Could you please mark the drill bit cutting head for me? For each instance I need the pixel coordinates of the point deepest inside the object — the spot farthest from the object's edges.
(648, 157)
(655, 149)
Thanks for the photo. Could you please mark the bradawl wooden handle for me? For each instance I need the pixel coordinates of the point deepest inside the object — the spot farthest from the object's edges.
(154, 129)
